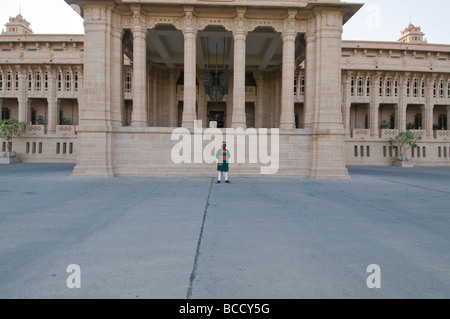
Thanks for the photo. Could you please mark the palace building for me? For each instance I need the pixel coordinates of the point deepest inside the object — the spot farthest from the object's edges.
(111, 99)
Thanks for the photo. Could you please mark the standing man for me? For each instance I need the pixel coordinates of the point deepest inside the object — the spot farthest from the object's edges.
(223, 156)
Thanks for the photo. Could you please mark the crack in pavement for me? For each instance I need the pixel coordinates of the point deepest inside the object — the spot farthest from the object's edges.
(197, 252)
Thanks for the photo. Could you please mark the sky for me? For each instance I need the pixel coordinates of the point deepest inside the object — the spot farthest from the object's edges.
(377, 20)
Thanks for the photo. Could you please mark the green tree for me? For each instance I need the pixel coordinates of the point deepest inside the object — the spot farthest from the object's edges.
(9, 129)
(405, 141)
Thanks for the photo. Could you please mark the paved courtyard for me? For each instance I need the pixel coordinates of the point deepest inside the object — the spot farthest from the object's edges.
(254, 238)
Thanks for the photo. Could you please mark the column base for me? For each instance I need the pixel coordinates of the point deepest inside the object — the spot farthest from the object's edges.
(287, 126)
(239, 125)
(330, 174)
(93, 172)
(95, 156)
(138, 124)
(328, 155)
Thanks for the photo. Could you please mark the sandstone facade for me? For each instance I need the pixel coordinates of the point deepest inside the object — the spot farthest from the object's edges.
(111, 99)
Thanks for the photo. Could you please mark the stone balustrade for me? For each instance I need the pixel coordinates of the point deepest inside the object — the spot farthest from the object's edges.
(442, 134)
(419, 133)
(388, 133)
(65, 130)
(360, 133)
(35, 130)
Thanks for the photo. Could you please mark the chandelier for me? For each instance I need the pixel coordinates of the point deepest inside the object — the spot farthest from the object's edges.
(216, 82)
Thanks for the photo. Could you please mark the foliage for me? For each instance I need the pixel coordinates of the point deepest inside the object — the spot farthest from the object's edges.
(384, 125)
(405, 141)
(410, 126)
(65, 121)
(40, 120)
(9, 129)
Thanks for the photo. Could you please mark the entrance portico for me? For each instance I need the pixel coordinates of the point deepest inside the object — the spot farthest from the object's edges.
(177, 43)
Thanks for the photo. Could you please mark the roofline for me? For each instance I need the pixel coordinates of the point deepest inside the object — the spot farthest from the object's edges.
(394, 45)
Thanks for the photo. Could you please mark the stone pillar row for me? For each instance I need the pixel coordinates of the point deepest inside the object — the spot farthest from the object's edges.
(400, 108)
(24, 103)
(238, 119)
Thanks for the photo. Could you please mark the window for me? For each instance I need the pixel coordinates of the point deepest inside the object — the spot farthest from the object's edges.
(416, 88)
(128, 81)
(59, 81)
(352, 87)
(8, 81)
(381, 87)
(1, 81)
(360, 87)
(368, 87)
(408, 88)
(396, 88)
(17, 81)
(441, 89)
(30, 81)
(46, 81)
(423, 89)
(76, 81)
(448, 90)
(68, 82)
(302, 86)
(38, 81)
(388, 87)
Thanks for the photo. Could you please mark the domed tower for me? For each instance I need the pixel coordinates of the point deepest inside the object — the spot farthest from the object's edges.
(18, 25)
(412, 34)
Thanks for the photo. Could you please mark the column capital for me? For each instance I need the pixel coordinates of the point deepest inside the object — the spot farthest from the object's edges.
(430, 80)
(117, 32)
(139, 21)
(240, 28)
(190, 21)
(289, 22)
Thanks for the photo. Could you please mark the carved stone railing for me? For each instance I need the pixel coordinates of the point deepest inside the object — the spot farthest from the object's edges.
(442, 135)
(250, 90)
(360, 133)
(418, 133)
(35, 130)
(388, 133)
(65, 130)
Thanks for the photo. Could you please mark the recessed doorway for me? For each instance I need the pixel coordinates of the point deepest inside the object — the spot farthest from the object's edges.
(217, 112)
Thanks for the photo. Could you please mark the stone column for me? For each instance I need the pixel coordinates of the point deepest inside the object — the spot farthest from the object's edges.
(52, 120)
(374, 106)
(427, 109)
(202, 104)
(117, 74)
(230, 98)
(173, 105)
(139, 115)
(190, 69)
(95, 136)
(23, 101)
(287, 116)
(448, 117)
(239, 36)
(400, 111)
(259, 108)
(323, 98)
(346, 102)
